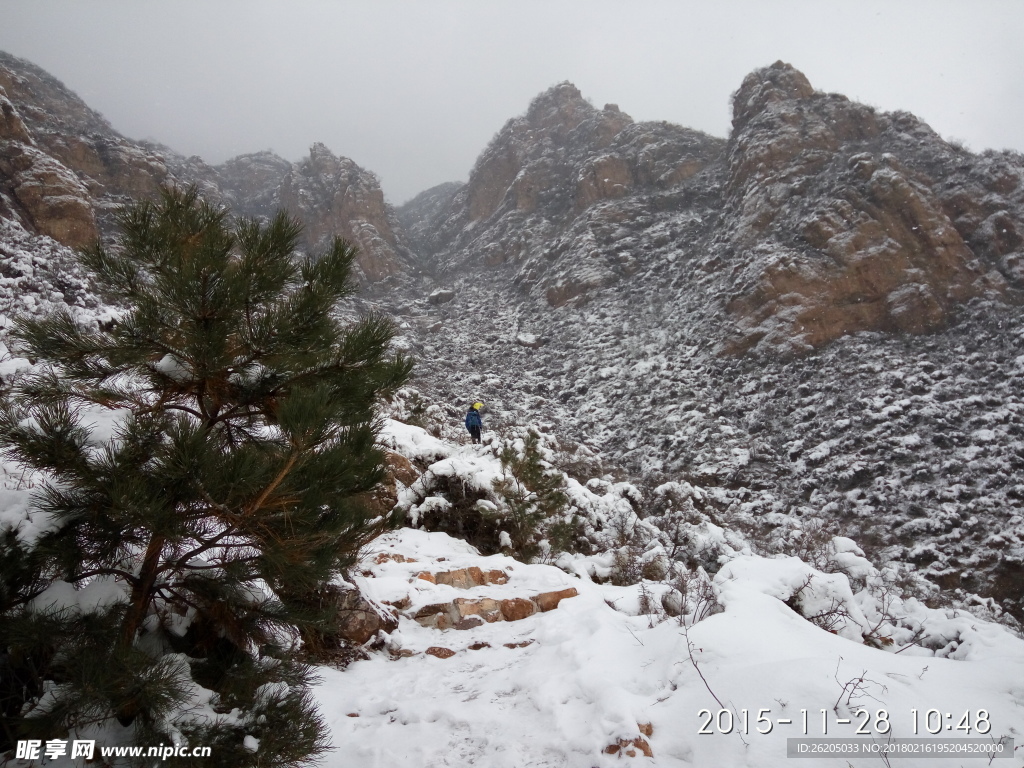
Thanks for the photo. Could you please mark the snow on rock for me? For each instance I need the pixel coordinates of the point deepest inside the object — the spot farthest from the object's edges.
(413, 442)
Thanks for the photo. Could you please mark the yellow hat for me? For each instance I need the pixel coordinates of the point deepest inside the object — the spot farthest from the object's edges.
(478, 406)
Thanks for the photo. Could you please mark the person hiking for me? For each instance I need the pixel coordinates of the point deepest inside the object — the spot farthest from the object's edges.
(473, 422)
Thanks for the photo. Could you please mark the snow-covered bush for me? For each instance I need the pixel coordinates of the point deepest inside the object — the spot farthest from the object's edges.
(501, 498)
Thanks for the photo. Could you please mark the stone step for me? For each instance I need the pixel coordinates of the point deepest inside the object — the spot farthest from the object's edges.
(466, 613)
(465, 578)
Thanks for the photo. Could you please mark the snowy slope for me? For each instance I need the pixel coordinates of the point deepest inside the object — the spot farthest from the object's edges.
(633, 666)
(579, 678)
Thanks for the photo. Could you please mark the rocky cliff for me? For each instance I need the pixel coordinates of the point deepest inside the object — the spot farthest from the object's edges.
(843, 219)
(818, 218)
(553, 194)
(62, 167)
(64, 170)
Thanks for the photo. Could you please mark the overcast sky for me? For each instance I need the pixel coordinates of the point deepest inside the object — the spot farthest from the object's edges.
(414, 90)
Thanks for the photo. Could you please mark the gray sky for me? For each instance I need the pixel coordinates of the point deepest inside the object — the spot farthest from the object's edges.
(414, 90)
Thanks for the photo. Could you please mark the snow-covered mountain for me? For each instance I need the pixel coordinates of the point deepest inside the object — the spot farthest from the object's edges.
(816, 320)
(780, 376)
(64, 170)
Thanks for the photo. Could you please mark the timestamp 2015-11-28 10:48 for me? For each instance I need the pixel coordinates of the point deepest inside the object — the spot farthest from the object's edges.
(867, 722)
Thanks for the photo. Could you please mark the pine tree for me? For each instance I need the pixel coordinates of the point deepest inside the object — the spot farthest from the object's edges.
(531, 491)
(186, 555)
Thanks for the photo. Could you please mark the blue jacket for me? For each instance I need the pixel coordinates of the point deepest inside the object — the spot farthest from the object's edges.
(473, 418)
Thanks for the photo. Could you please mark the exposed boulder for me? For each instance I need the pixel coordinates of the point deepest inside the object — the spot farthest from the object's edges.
(440, 652)
(529, 340)
(470, 612)
(360, 619)
(441, 296)
(548, 601)
(57, 204)
(517, 608)
(630, 748)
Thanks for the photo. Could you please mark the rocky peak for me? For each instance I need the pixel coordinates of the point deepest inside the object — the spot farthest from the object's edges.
(778, 82)
(558, 110)
(837, 222)
(560, 166)
(335, 197)
(46, 104)
(64, 171)
(250, 183)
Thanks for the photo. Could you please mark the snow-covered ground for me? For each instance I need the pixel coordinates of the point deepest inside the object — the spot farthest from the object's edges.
(593, 672)
(773, 638)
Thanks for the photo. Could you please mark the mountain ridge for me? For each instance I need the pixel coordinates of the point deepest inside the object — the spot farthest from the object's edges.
(814, 322)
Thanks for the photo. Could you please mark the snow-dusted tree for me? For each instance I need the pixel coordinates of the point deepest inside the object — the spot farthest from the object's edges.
(532, 493)
(187, 548)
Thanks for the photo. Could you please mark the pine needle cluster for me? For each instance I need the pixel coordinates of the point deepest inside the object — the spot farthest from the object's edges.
(185, 546)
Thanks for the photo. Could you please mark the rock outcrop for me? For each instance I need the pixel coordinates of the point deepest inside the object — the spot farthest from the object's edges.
(45, 194)
(331, 196)
(61, 162)
(819, 218)
(835, 224)
(335, 197)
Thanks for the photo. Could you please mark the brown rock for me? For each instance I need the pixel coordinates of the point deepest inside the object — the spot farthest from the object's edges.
(400, 468)
(463, 578)
(779, 82)
(385, 557)
(603, 178)
(884, 255)
(517, 608)
(360, 619)
(432, 610)
(384, 497)
(426, 576)
(55, 200)
(469, 622)
(630, 747)
(440, 652)
(548, 601)
(12, 128)
(495, 577)
(522, 644)
(647, 729)
(486, 608)
(479, 646)
(563, 291)
(114, 165)
(336, 198)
